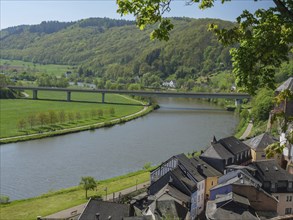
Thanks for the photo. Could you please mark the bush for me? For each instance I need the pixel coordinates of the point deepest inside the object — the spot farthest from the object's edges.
(4, 199)
(147, 165)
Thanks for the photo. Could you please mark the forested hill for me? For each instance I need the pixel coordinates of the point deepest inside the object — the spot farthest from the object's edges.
(117, 48)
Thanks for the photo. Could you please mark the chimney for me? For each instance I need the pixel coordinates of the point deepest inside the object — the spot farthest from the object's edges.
(199, 169)
(214, 140)
(97, 216)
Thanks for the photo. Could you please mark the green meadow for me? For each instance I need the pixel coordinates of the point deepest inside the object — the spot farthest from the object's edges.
(14, 110)
(54, 202)
(51, 69)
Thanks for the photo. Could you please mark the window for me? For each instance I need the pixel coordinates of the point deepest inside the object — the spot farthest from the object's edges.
(198, 199)
(212, 183)
(289, 198)
(237, 157)
(290, 185)
(288, 211)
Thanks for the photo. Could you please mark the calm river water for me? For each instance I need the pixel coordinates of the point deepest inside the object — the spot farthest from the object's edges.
(35, 167)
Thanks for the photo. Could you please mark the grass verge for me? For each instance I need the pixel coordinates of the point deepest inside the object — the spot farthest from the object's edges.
(66, 198)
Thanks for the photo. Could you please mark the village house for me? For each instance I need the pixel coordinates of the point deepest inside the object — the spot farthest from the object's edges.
(230, 206)
(225, 152)
(192, 176)
(276, 181)
(170, 84)
(258, 145)
(241, 181)
(286, 107)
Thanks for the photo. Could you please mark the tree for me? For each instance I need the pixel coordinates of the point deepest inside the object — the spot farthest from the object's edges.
(100, 113)
(32, 120)
(112, 111)
(88, 183)
(283, 121)
(62, 116)
(21, 124)
(52, 117)
(264, 39)
(42, 118)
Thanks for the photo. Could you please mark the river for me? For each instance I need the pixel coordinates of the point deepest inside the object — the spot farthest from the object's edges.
(35, 167)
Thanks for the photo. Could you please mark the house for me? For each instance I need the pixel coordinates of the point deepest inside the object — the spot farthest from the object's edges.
(287, 105)
(101, 210)
(225, 152)
(192, 176)
(170, 84)
(276, 181)
(240, 180)
(231, 206)
(182, 180)
(169, 202)
(258, 144)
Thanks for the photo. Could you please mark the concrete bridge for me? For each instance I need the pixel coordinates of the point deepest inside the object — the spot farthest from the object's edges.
(238, 97)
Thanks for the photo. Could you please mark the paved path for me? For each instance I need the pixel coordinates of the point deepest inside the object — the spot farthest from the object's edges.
(247, 131)
(75, 211)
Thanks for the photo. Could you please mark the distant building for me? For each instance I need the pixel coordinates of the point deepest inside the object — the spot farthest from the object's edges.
(258, 145)
(276, 181)
(287, 105)
(170, 84)
(225, 152)
(67, 74)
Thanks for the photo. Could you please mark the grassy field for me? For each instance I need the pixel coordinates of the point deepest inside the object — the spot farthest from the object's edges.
(51, 69)
(13, 110)
(57, 201)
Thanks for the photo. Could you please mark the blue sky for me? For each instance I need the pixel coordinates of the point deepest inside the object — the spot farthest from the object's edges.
(17, 12)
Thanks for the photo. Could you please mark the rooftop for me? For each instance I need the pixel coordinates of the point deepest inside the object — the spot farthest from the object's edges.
(234, 145)
(269, 170)
(104, 209)
(288, 84)
(260, 142)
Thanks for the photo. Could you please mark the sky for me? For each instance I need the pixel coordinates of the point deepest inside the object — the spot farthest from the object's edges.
(18, 12)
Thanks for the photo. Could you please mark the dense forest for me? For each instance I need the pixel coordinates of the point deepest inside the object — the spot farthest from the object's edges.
(116, 50)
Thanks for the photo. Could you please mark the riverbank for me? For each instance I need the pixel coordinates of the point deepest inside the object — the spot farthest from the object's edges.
(57, 132)
(53, 202)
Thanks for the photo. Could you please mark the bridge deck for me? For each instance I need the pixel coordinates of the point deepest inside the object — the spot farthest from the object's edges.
(142, 93)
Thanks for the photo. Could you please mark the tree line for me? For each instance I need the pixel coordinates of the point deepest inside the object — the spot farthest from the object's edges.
(53, 117)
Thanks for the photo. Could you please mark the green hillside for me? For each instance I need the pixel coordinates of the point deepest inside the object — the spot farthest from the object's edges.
(117, 50)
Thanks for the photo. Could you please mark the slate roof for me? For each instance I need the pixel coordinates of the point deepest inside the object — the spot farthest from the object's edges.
(260, 142)
(173, 193)
(169, 208)
(206, 169)
(230, 207)
(105, 209)
(217, 150)
(269, 170)
(177, 178)
(288, 84)
(178, 173)
(192, 170)
(148, 217)
(234, 145)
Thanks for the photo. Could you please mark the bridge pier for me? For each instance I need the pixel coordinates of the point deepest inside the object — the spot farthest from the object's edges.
(238, 102)
(68, 96)
(35, 94)
(103, 97)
